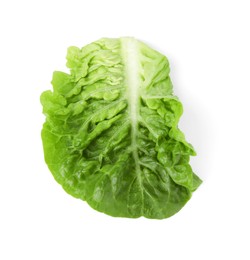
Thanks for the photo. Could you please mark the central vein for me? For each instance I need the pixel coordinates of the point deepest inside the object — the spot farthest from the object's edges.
(131, 61)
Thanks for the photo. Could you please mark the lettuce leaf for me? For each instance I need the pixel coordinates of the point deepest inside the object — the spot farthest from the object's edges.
(111, 134)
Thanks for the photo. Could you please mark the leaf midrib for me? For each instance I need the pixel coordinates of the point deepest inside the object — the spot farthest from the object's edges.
(130, 55)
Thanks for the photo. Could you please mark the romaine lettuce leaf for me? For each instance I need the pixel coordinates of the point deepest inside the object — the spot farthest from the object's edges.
(111, 134)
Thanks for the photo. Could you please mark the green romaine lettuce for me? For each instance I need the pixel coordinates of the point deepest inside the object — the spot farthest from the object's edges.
(111, 134)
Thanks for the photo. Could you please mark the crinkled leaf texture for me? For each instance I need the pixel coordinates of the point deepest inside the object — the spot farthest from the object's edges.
(111, 136)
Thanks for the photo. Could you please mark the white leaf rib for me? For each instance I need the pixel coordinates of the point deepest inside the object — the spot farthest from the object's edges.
(130, 54)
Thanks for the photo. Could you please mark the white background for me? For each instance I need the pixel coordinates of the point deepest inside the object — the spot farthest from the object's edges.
(208, 45)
